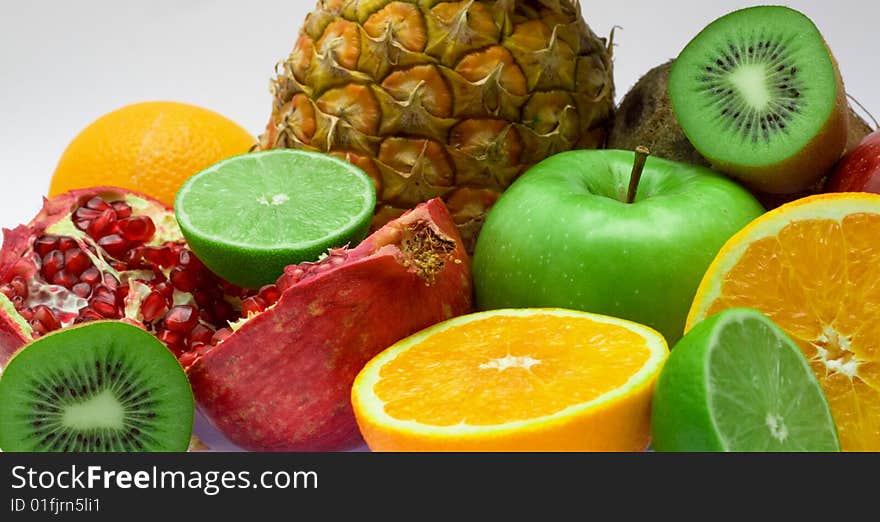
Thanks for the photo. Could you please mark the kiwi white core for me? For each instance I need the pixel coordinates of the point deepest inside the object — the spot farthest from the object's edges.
(100, 411)
(751, 81)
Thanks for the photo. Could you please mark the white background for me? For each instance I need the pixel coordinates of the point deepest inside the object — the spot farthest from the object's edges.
(64, 64)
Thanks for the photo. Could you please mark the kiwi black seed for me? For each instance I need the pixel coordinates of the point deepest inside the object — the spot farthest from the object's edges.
(100, 386)
(759, 95)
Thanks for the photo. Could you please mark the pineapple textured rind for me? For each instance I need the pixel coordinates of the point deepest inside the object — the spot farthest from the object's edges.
(443, 99)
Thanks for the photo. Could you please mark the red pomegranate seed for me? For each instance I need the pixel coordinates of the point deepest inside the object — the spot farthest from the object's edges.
(121, 294)
(200, 334)
(106, 309)
(105, 295)
(102, 225)
(85, 214)
(188, 259)
(27, 313)
(153, 307)
(221, 335)
(44, 314)
(161, 256)
(111, 282)
(52, 264)
(123, 209)
(252, 305)
(91, 277)
(65, 279)
(7, 290)
(97, 203)
(88, 314)
(222, 311)
(66, 243)
(134, 258)
(76, 261)
(203, 298)
(270, 294)
(182, 318)
(114, 244)
(45, 244)
(83, 290)
(186, 359)
(183, 279)
(37, 327)
(139, 228)
(165, 289)
(174, 340)
(20, 286)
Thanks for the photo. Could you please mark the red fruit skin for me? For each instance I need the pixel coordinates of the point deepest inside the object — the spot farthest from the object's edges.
(859, 170)
(16, 241)
(11, 335)
(282, 382)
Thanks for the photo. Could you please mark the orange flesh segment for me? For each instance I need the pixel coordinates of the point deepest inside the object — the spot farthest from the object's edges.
(826, 295)
(501, 369)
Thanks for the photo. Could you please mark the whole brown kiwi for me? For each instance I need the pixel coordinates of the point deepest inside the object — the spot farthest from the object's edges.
(645, 118)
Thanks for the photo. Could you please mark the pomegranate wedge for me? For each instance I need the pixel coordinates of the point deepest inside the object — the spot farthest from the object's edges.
(107, 253)
(282, 380)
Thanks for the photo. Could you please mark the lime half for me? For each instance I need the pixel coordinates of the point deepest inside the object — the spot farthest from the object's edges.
(737, 382)
(249, 216)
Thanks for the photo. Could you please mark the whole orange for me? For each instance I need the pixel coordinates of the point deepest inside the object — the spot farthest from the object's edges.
(150, 147)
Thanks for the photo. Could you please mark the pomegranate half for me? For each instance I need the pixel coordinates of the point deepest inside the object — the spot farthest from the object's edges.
(108, 253)
(282, 381)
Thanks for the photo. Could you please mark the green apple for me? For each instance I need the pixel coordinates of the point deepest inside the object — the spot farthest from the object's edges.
(610, 232)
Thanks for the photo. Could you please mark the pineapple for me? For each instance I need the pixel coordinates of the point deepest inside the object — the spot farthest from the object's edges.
(443, 99)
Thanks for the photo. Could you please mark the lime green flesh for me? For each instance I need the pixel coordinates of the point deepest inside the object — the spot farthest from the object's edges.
(743, 67)
(737, 382)
(102, 386)
(249, 216)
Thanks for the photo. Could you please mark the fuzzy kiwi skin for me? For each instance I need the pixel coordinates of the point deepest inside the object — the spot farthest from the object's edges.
(645, 117)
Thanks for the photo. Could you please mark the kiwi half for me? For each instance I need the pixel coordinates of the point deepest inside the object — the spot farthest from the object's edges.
(759, 95)
(645, 118)
(101, 386)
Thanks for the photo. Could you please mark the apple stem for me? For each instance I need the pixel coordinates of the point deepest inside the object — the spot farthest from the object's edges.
(642, 154)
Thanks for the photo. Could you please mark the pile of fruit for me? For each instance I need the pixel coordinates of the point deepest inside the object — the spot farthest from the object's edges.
(428, 250)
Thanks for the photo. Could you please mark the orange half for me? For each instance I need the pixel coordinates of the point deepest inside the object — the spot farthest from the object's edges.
(813, 266)
(513, 380)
